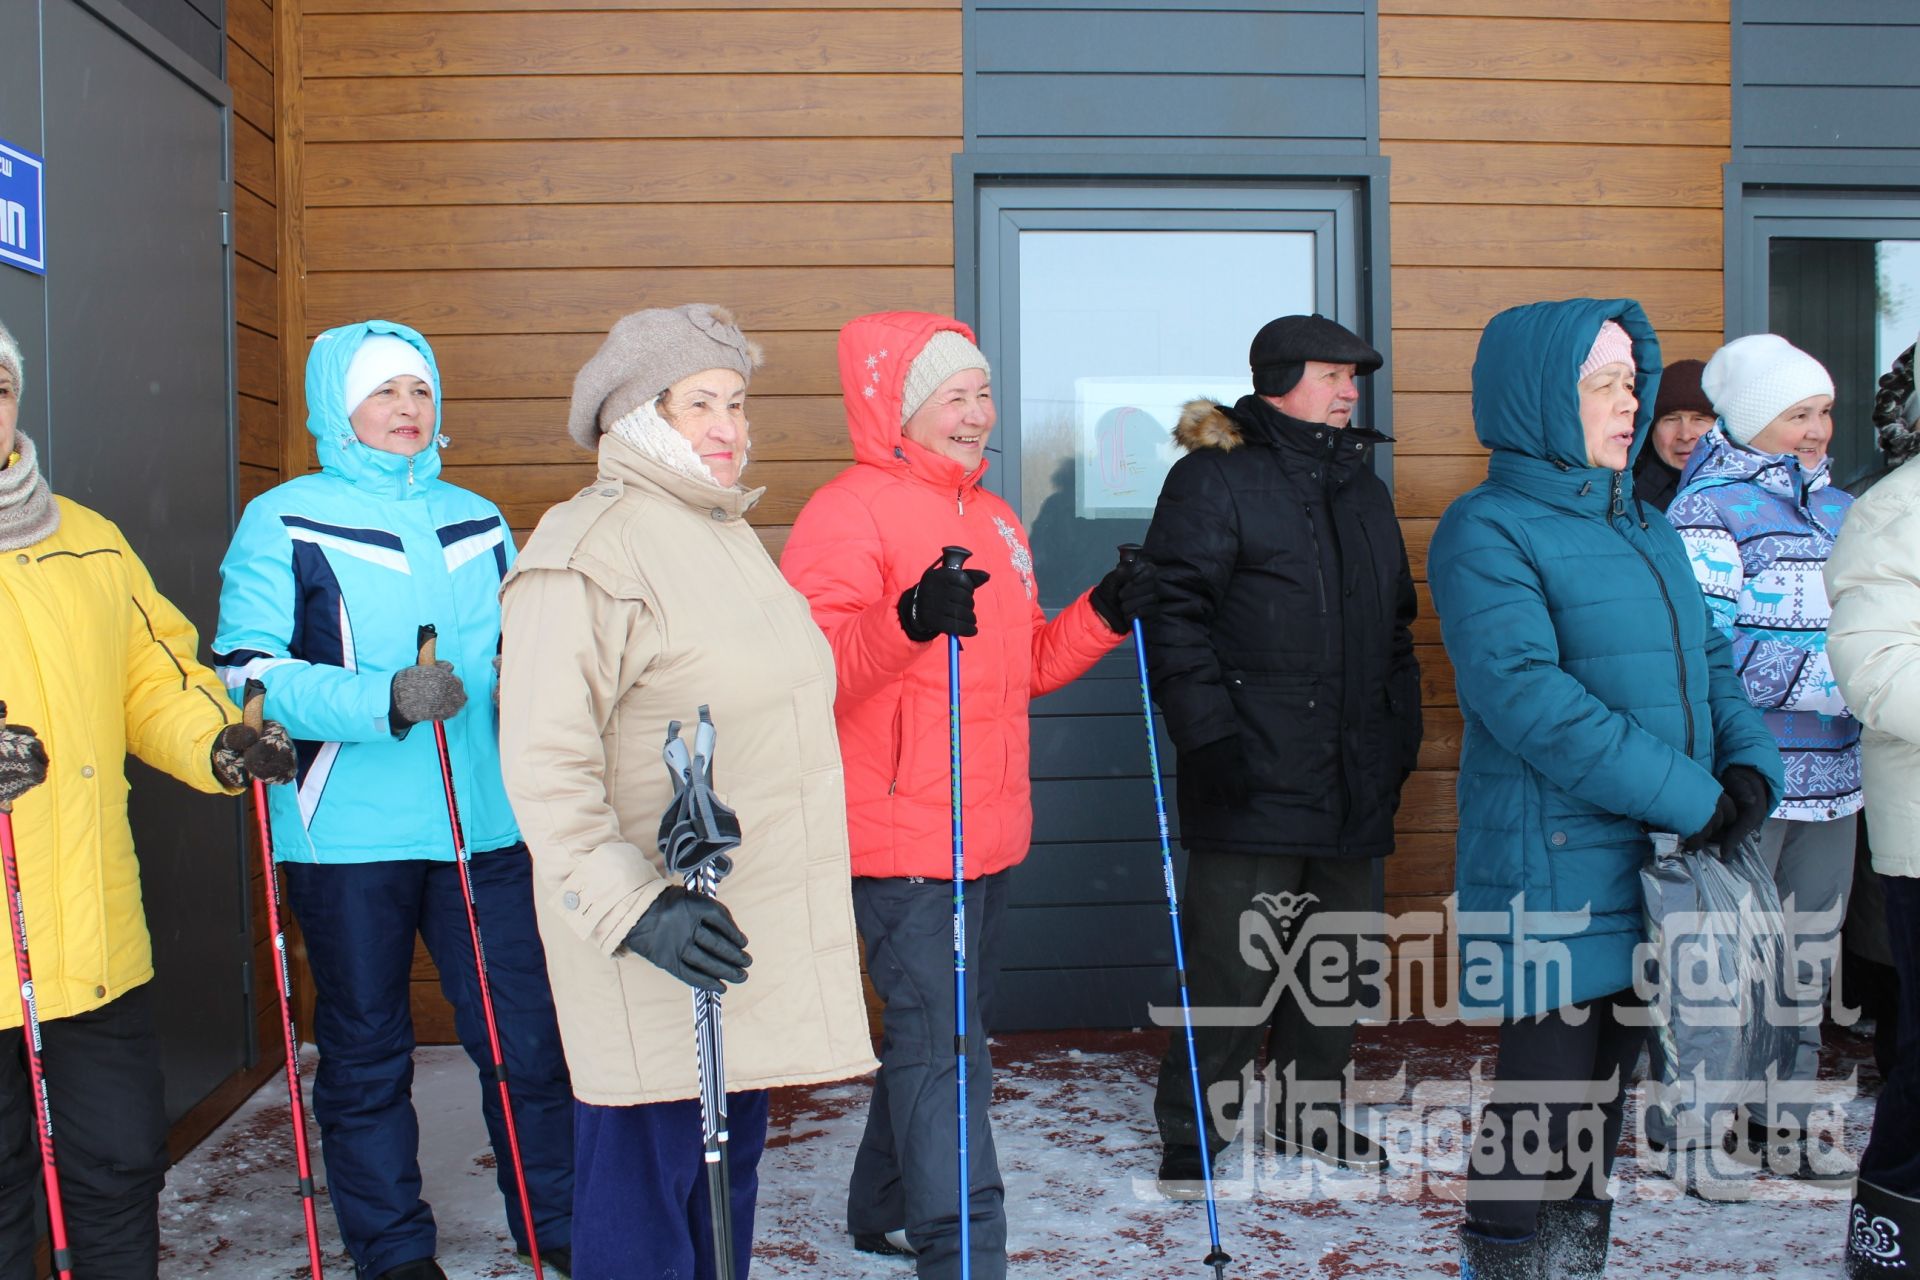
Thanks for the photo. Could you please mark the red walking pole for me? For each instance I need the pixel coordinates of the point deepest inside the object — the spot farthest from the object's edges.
(30, 1026)
(428, 636)
(251, 714)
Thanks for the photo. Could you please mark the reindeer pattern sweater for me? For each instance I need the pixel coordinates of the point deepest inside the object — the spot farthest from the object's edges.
(1759, 528)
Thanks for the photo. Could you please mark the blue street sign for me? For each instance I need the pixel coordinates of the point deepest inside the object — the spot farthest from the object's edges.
(23, 206)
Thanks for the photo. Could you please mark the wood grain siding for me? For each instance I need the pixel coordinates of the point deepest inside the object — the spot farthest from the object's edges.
(512, 176)
(1539, 150)
(1826, 84)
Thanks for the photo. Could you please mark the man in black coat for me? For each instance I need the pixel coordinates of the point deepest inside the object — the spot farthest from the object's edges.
(1283, 662)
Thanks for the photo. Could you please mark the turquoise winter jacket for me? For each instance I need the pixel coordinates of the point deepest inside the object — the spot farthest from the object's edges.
(1599, 699)
(322, 596)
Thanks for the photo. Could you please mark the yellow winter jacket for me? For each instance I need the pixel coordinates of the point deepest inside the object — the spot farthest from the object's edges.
(98, 663)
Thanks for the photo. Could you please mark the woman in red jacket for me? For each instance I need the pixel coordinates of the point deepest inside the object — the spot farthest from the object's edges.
(866, 553)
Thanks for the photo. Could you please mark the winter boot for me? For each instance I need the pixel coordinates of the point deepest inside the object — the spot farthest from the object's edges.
(1331, 1141)
(556, 1262)
(891, 1244)
(1574, 1235)
(1884, 1237)
(418, 1269)
(1484, 1257)
(1183, 1173)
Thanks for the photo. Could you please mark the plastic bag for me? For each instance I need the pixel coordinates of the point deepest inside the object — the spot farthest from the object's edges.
(1718, 995)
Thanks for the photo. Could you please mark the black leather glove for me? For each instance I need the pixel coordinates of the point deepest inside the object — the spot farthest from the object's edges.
(1724, 811)
(941, 603)
(23, 761)
(1217, 773)
(693, 937)
(241, 754)
(1130, 590)
(424, 693)
(1753, 802)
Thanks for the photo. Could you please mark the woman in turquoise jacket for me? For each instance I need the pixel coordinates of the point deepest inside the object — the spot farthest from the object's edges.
(1599, 703)
(324, 591)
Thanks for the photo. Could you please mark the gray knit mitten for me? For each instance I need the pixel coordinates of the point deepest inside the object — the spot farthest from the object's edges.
(241, 754)
(23, 761)
(424, 693)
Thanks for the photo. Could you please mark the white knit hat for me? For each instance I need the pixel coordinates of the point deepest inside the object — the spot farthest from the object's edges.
(10, 358)
(945, 354)
(1753, 380)
(382, 356)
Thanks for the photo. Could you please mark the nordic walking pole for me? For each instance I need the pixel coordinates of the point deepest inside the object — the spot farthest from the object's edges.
(1218, 1258)
(252, 714)
(955, 558)
(30, 1023)
(427, 637)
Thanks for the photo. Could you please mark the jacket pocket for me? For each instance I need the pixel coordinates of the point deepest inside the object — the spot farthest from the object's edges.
(1291, 731)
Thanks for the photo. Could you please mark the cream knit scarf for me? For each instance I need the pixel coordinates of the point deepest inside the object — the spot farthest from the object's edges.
(656, 440)
(28, 512)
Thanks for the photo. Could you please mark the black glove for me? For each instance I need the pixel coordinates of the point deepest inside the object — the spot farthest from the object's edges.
(23, 761)
(1217, 773)
(941, 603)
(424, 693)
(1753, 801)
(1130, 590)
(241, 754)
(692, 937)
(1724, 811)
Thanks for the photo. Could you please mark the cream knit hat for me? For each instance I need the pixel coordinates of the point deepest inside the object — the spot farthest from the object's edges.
(1752, 380)
(10, 358)
(945, 354)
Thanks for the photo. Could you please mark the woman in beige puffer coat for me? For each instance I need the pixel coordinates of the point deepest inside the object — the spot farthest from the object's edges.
(643, 598)
(1873, 642)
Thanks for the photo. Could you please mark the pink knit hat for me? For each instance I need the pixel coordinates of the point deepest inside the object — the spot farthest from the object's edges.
(1612, 346)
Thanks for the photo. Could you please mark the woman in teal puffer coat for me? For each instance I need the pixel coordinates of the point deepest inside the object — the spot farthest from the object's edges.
(1599, 703)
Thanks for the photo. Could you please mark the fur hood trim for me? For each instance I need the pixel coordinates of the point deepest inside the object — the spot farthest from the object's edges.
(1206, 424)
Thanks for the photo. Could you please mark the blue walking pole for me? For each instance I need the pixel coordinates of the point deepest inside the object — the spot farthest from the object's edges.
(1218, 1258)
(956, 558)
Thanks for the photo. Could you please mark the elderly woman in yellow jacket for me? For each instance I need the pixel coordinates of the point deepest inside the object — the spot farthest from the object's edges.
(94, 663)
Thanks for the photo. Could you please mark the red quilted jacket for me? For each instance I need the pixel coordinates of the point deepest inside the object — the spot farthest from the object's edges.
(862, 540)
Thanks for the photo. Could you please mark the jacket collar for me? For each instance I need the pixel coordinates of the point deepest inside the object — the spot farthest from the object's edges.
(1585, 491)
(1718, 460)
(627, 466)
(1341, 449)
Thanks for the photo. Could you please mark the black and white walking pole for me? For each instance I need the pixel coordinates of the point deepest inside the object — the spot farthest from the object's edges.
(698, 835)
(428, 637)
(955, 558)
(30, 1024)
(252, 714)
(1218, 1257)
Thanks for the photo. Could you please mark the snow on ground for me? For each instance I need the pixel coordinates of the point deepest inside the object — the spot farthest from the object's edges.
(1073, 1121)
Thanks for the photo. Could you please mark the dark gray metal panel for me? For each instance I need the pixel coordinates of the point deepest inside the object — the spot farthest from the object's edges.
(1147, 42)
(1826, 84)
(1172, 106)
(1827, 121)
(1118, 872)
(23, 295)
(196, 26)
(140, 389)
(1076, 937)
(1158, 74)
(1094, 746)
(1801, 54)
(1826, 13)
(1117, 996)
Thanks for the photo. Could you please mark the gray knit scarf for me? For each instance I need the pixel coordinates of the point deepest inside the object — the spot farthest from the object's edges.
(28, 512)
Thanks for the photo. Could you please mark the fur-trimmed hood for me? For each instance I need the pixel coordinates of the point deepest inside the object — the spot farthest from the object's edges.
(1208, 424)
(1205, 424)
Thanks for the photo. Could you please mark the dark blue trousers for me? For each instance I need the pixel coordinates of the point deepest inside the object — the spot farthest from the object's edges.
(359, 921)
(641, 1199)
(1892, 1158)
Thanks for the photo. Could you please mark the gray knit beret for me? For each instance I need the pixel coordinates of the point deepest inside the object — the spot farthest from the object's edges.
(647, 352)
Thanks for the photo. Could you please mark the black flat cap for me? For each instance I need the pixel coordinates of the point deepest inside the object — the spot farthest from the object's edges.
(1282, 346)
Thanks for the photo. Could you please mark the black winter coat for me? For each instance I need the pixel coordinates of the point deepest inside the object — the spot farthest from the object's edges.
(1286, 619)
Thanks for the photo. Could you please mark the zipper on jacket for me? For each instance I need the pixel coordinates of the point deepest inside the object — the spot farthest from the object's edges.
(1319, 565)
(409, 473)
(1619, 508)
(960, 499)
(899, 709)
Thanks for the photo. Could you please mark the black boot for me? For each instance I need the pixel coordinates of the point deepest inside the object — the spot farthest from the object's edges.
(556, 1261)
(1484, 1257)
(418, 1269)
(1327, 1138)
(1883, 1238)
(1574, 1235)
(1183, 1172)
(891, 1244)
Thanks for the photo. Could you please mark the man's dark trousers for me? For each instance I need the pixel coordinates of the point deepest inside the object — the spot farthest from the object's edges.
(1315, 1042)
(110, 1141)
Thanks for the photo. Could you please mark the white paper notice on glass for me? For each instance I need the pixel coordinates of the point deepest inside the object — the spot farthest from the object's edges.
(1124, 426)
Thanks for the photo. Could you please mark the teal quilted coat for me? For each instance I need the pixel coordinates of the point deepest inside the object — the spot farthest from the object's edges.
(1599, 699)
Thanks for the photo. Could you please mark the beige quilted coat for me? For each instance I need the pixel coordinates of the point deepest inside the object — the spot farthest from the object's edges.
(635, 602)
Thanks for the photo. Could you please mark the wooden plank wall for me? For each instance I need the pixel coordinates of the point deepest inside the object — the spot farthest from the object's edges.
(1538, 151)
(511, 176)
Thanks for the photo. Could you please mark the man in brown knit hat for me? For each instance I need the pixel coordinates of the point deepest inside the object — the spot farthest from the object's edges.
(1681, 415)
